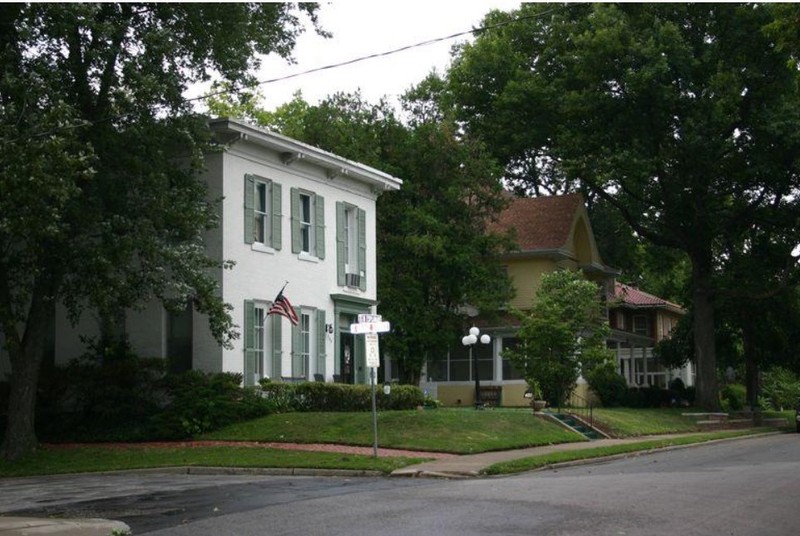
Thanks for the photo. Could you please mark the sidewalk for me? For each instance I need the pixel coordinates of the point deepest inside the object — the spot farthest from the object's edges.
(25, 526)
(471, 465)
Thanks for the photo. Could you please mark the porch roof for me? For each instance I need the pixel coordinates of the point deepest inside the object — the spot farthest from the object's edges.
(629, 296)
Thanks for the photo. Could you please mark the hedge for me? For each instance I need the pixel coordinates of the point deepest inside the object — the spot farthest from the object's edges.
(319, 396)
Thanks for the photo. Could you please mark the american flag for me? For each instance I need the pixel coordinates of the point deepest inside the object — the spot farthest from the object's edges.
(284, 308)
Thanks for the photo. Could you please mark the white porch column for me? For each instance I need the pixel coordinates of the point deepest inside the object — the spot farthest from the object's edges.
(632, 365)
(644, 366)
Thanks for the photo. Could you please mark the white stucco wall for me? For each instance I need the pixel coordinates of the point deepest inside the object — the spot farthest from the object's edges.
(259, 275)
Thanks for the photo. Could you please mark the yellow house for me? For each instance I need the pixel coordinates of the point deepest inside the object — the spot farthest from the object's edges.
(552, 233)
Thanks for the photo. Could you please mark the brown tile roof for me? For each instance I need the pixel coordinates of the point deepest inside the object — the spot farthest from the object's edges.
(637, 298)
(540, 222)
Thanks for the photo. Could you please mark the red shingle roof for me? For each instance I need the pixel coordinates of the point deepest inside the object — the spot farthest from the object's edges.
(633, 296)
(540, 222)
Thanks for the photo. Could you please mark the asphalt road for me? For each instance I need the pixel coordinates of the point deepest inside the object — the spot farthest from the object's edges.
(747, 487)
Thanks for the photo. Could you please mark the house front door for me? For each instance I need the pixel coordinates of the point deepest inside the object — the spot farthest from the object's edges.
(347, 357)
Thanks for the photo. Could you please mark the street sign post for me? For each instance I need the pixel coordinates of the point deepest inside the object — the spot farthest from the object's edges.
(369, 326)
(369, 319)
(373, 352)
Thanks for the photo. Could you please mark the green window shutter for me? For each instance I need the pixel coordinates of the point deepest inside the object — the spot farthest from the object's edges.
(297, 352)
(277, 350)
(249, 342)
(340, 238)
(319, 225)
(321, 342)
(276, 216)
(249, 208)
(362, 248)
(295, 217)
(249, 324)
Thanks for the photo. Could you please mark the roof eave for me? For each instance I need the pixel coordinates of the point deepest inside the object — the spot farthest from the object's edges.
(292, 150)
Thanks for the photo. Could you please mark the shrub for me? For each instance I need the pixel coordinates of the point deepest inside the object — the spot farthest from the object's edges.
(733, 397)
(200, 402)
(607, 384)
(319, 396)
(93, 399)
(780, 389)
(647, 397)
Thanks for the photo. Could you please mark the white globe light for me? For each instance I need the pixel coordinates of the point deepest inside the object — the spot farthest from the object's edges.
(485, 339)
(474, 331)
(465, 340)
(472, 339)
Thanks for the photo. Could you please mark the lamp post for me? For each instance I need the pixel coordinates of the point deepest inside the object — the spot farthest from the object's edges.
(470, 340)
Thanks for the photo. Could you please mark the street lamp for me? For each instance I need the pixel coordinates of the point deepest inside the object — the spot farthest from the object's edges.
(470, 340)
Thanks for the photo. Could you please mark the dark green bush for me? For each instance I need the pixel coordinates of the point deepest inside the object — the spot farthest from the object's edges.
(607, 384)
(647, 397)
(319, 396)
(781, 389)
(89, 399)
(200, 402)
(733, 397)
(125, 398)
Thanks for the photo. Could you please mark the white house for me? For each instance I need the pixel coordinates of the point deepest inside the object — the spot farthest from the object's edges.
(290, 213)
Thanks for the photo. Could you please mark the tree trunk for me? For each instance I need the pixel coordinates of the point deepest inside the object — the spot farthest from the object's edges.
(750, 368)
(707, 397)
(20, 437)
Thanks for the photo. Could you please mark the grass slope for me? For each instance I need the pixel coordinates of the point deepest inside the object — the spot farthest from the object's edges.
(459, 431)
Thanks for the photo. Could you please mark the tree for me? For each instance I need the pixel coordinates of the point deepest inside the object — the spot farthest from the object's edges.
(100, 202)
(433, 252)
(684, 117)
(563, 334)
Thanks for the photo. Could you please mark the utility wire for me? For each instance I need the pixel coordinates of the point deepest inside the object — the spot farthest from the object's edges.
(85, 123)
(369, 57)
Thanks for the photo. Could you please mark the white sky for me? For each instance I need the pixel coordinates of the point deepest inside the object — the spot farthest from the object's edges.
(361, 28)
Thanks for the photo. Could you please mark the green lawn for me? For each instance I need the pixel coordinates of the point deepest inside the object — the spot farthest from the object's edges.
(50, 461)
(460, 431)
(627, 422)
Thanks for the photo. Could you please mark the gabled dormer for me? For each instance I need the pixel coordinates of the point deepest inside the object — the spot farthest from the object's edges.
(551, 233)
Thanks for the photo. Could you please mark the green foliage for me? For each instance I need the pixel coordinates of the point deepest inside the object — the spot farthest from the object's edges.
(558, 98)
(321, 396)
(106, 394)
(564, 331)
(101, 205)
(200, 402)
(111, 396)
(607, 384)
(780, 389)
(733, 397)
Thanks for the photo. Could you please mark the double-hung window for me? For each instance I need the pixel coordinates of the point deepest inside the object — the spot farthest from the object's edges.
(262, 212)
(261, 227)
(262, 343)
(309, 344)
(351, 246)
(308, 224)
(640, 325)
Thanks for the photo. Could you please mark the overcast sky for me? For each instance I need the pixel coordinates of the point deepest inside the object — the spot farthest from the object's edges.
(361, 28)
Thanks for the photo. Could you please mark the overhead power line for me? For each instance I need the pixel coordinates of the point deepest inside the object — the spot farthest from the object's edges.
(84, 123)
(369, 56)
